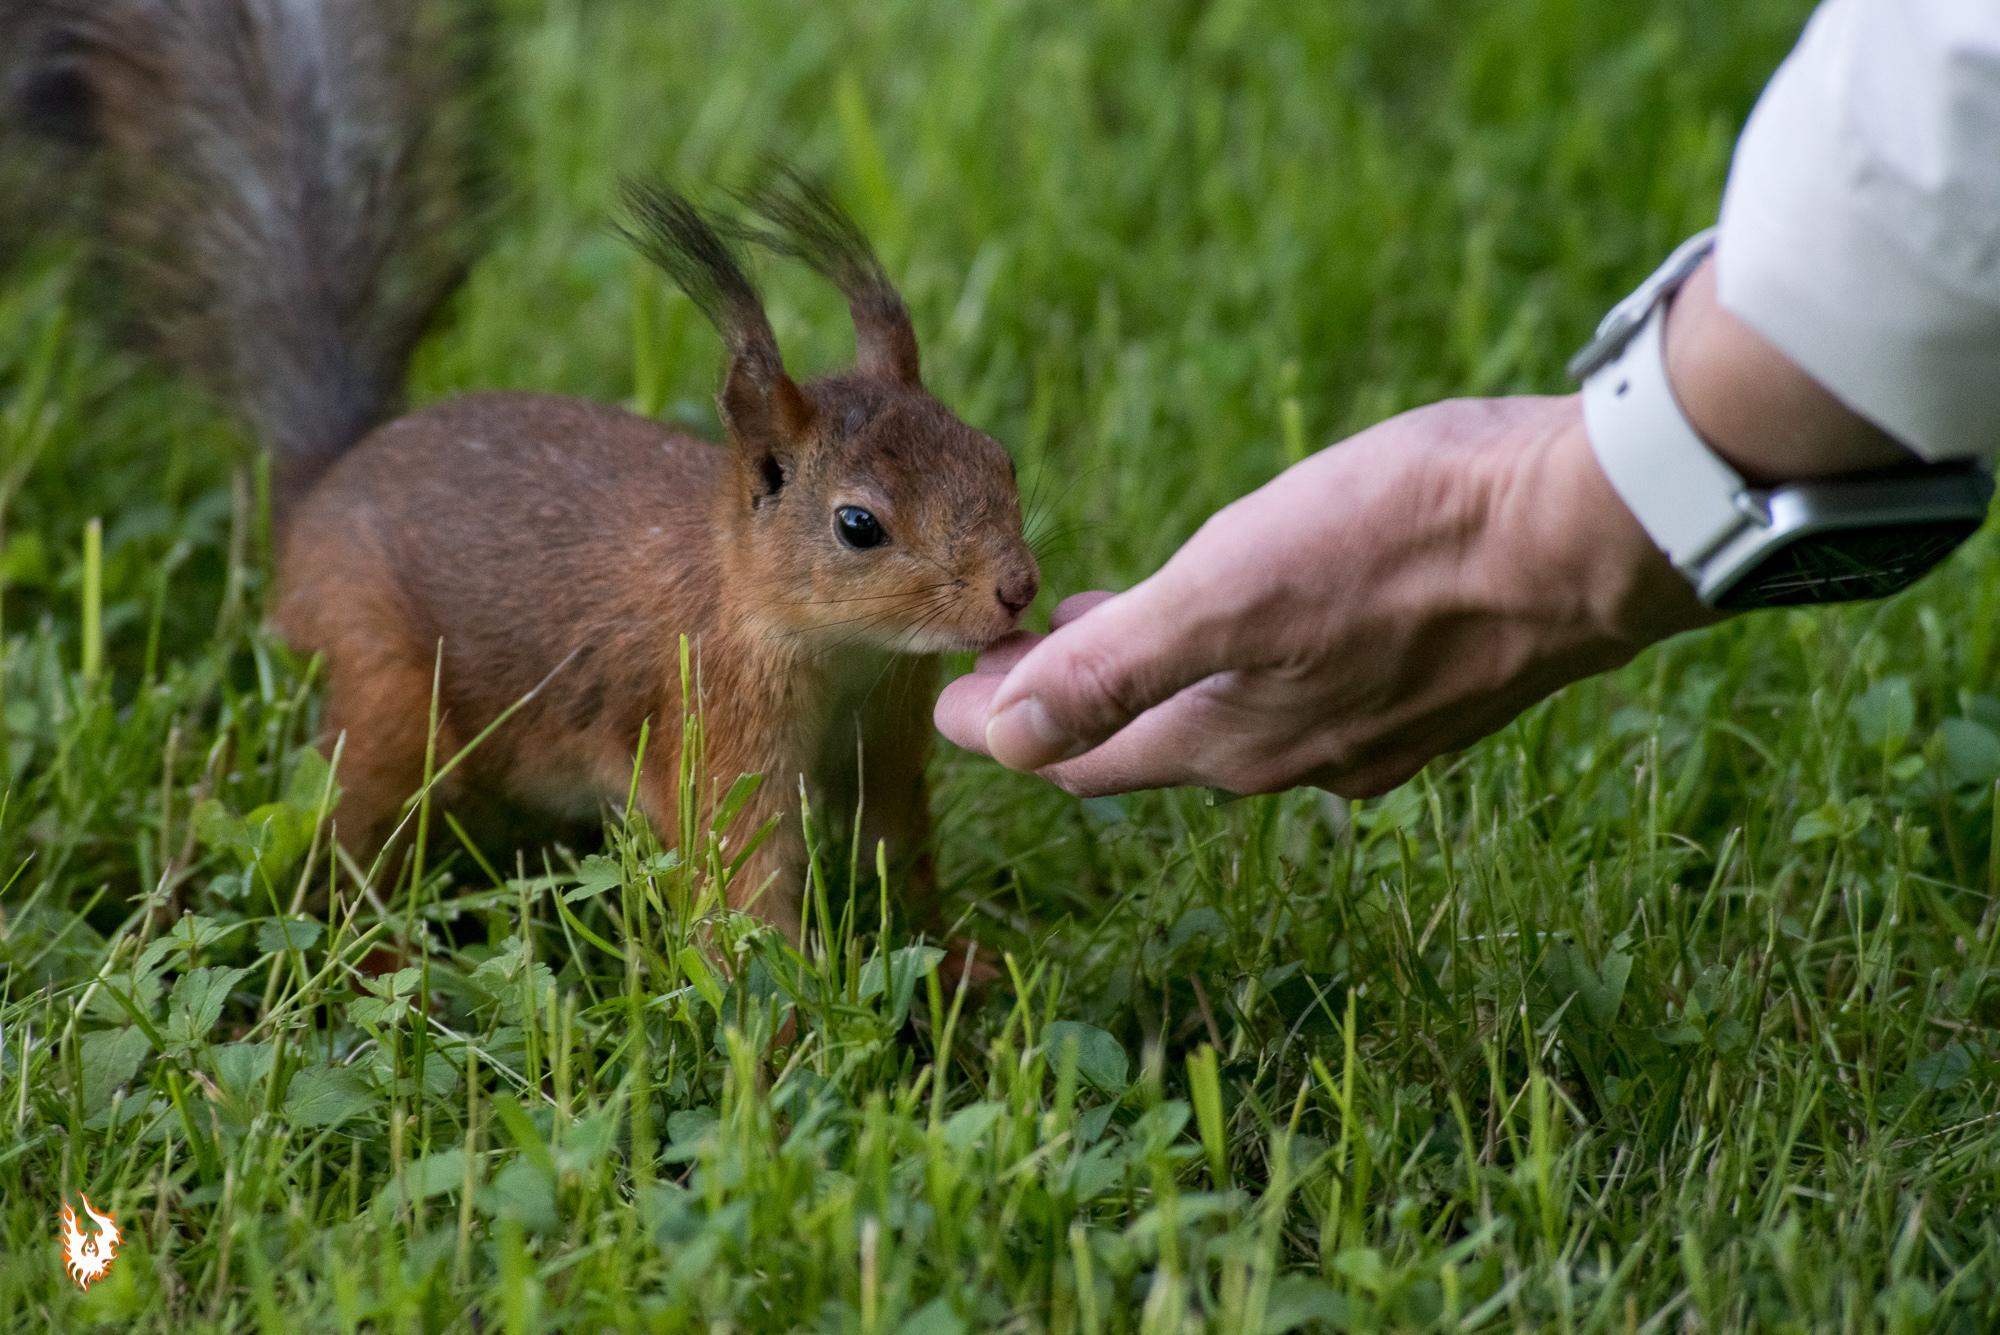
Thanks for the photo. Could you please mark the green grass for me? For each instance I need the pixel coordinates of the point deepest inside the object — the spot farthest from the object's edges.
(1672, 1007)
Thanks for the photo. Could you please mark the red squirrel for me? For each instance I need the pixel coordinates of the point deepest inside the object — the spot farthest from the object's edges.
(280, 163)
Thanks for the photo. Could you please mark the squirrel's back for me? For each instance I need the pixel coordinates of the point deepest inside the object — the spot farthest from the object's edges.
(288, 180)
(544, 551)
(496, 512)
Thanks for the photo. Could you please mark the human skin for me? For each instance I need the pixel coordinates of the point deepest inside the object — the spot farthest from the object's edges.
(1395, 597)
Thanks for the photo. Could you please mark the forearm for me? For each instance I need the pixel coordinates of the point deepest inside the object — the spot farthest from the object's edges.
(1753, 405)
(1862, 215)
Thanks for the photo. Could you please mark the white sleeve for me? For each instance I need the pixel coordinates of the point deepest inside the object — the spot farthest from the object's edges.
(1860, 228)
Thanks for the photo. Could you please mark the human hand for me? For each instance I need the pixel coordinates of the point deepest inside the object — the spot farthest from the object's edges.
(1399, 595)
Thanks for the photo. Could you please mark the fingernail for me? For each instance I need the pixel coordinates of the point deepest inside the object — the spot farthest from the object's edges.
(1024, 737)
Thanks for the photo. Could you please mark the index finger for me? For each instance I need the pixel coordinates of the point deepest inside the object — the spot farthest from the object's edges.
(1106, 665)
(1074, 606)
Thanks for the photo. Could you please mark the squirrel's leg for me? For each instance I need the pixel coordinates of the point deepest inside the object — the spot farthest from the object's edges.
(896, 805)
(337, 597)
(382, 709)
(770, 885)
(896, 808)
(376, 723)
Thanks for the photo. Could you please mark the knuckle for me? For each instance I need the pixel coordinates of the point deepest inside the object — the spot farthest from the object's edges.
(1074, 785)
(1078, 779)
(1103, 687)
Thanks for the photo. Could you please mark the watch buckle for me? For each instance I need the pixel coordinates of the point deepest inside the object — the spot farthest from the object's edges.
(1754, 505)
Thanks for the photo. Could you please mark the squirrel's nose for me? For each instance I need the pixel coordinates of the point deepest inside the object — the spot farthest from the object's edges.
(1016, 594)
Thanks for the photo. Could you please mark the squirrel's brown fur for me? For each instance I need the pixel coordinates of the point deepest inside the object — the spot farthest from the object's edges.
(283, 157)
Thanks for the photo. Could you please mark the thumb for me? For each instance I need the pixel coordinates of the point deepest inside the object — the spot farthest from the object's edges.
(1098, 671)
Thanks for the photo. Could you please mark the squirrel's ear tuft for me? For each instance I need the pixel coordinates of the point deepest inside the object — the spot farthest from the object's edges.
(685, 243)
(760, 404)
(807, 224)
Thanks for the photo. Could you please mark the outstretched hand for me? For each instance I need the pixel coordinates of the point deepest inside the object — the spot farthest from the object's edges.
(1400, 595)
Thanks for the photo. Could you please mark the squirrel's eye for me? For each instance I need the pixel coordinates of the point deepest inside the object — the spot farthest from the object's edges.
(858, 529)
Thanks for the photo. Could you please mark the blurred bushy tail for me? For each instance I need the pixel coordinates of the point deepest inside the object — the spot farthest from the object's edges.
(292, 186)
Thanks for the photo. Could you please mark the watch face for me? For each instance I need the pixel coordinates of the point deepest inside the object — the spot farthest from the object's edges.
(1846, 565)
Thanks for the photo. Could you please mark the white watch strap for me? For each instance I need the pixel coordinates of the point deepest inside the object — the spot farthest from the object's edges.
(1690, 503)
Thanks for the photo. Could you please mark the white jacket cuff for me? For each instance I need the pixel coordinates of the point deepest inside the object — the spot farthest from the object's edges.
(1860, 228)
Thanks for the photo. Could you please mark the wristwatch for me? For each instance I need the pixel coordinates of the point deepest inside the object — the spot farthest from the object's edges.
(1829, 540)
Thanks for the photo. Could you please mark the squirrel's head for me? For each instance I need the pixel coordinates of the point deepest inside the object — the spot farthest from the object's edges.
(861, 511)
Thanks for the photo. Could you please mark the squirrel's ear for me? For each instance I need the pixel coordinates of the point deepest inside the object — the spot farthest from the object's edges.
(885, 344)
(766, 415)
(811, 226)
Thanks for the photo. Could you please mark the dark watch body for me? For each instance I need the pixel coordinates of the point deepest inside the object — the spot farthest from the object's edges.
(1845, 539)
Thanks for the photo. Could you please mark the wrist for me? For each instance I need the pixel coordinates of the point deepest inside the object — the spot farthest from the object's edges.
(1572, 547)
(1753, 406)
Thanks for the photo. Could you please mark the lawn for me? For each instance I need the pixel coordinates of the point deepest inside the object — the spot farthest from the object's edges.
(1672, 1007)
